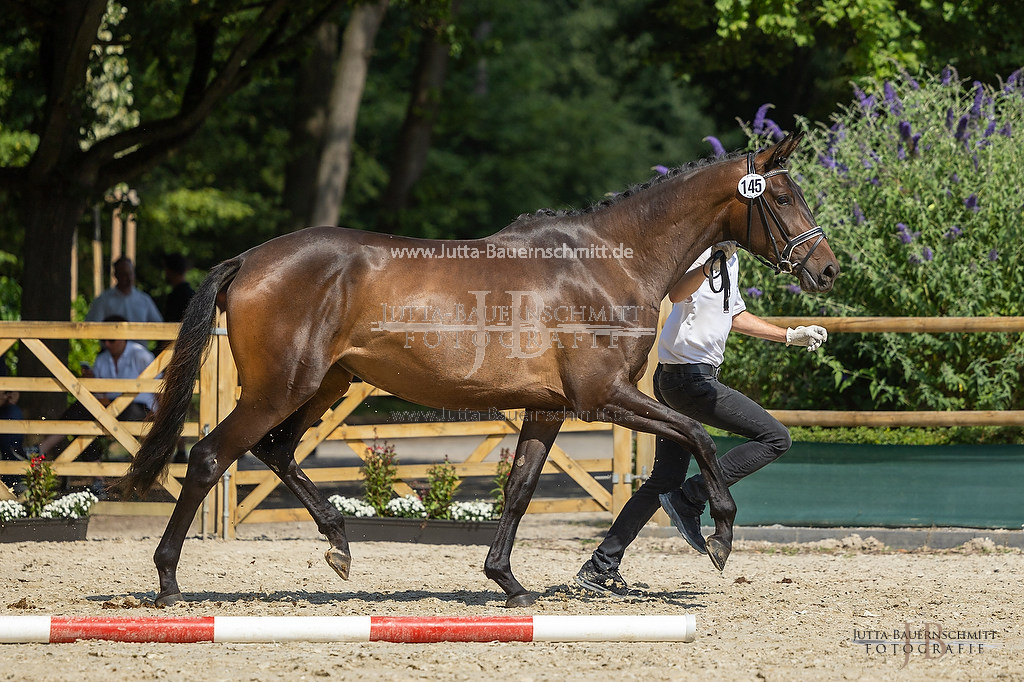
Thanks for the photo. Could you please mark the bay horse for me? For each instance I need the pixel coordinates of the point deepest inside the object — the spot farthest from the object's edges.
(310, 310)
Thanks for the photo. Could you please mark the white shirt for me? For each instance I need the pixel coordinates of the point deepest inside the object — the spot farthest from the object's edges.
(136, 306)
(133, 360)
(697, 328)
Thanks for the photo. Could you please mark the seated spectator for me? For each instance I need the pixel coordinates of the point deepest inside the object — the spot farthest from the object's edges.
(175, 269)
(119, 359)
(12, 447)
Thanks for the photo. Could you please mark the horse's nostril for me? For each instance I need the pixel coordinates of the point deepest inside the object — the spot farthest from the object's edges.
(829, 272)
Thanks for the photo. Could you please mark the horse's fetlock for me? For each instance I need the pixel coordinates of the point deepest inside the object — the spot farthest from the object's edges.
(164, 557)
(496, 569)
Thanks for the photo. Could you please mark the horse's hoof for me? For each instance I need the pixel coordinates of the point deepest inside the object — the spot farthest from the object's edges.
(518, 601)
(168, 599)
(718, 551)
(339, 561)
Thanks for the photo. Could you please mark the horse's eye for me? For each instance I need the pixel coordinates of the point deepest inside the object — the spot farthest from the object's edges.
(783, 200)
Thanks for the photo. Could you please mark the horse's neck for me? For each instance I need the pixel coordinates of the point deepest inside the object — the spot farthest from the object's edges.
(668, 225)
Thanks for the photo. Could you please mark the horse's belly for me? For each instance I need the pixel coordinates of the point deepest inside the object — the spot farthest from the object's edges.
(457, 385)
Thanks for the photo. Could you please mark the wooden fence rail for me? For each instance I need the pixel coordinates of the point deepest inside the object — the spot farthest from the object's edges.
(240, 499)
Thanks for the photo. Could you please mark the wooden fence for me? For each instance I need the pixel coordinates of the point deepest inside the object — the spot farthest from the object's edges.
(238, 500)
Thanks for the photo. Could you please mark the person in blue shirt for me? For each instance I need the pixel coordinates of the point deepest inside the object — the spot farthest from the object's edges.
(119, 359)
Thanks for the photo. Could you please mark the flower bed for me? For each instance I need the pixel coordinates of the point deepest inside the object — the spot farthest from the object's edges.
(431, 517)
(40, 517)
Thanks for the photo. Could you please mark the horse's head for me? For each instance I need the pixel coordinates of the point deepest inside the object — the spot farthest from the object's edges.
(776, 224)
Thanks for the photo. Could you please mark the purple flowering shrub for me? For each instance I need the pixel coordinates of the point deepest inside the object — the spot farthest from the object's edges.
(919, 185)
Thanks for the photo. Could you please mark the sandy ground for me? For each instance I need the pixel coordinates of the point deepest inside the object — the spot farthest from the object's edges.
(778, 612)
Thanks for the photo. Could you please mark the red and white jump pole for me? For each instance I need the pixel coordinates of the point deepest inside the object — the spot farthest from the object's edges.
(55, 629)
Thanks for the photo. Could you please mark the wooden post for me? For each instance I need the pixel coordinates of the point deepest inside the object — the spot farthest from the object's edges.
(208, 400)
(129, 238)
(74, 265)
(97, 252)
(227, 374)
(646, 442)
(115, 239)
(622, 469)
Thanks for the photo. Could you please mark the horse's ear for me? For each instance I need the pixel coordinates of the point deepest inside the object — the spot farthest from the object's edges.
(781, 152)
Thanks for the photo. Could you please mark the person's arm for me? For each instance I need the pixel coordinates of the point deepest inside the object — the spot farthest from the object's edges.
(686, 285)
(750, 324)
(695, 276)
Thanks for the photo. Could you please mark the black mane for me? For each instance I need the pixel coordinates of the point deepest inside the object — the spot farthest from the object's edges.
(615, 197)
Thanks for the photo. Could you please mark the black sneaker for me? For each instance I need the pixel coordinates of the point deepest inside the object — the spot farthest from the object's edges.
(604, 582)
(680, 511)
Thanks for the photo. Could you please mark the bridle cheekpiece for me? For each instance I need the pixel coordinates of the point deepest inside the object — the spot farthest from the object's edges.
(752, 186)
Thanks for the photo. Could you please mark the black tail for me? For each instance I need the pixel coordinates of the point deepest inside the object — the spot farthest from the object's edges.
(179, 378)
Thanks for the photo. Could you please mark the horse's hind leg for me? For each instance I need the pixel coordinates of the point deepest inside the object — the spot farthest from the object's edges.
(277, 451)
(245, 426)
(207, 462)
(535, 439)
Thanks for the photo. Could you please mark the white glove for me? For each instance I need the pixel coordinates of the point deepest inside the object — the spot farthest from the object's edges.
(811, 336)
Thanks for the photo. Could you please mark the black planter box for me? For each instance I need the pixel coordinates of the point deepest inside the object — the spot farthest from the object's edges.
(43, 530)
(426, 531)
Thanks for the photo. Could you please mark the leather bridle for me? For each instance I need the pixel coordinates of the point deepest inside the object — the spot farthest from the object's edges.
(764, 209)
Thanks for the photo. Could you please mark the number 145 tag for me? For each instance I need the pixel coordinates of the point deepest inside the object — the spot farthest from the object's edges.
(751, 185)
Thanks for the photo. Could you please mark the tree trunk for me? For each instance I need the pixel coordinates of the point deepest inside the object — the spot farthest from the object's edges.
(346, 93)
(414, 138)
(309, 122)
(50, 213)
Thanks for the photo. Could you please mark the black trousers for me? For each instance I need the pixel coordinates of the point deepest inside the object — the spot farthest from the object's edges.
(710, 402)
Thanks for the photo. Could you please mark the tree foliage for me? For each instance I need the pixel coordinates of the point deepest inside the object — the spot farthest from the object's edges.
(919, 185)
(802, 53)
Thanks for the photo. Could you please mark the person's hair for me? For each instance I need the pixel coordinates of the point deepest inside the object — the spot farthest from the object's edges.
(176, 262)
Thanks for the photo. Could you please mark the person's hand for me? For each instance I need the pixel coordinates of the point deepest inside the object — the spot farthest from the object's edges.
(811, 336)
(728, 247)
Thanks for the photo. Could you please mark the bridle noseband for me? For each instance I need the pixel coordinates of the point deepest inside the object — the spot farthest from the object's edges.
(764, 209)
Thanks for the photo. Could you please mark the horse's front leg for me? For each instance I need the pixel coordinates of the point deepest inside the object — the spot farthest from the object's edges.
(633, 409)
(535, 439)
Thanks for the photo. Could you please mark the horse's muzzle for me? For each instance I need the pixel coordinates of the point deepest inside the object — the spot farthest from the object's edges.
(822, 281)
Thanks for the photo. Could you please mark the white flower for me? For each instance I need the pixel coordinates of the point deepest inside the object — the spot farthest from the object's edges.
(351, 506)
(477, 510)
(73, 506)
(408, 507)
(10, 510)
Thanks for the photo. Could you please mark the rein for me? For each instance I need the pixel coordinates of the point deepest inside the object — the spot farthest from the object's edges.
(782, 264)
(718, 257)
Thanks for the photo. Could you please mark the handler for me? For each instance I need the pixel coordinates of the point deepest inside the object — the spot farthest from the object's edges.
(690, 353)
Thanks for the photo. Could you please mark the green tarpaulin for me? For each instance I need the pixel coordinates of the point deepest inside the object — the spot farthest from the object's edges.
(838, 484)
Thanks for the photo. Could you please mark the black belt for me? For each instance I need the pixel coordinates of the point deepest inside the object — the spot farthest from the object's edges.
(693, 368)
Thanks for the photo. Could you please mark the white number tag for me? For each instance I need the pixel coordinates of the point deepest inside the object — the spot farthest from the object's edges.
(751, 185)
